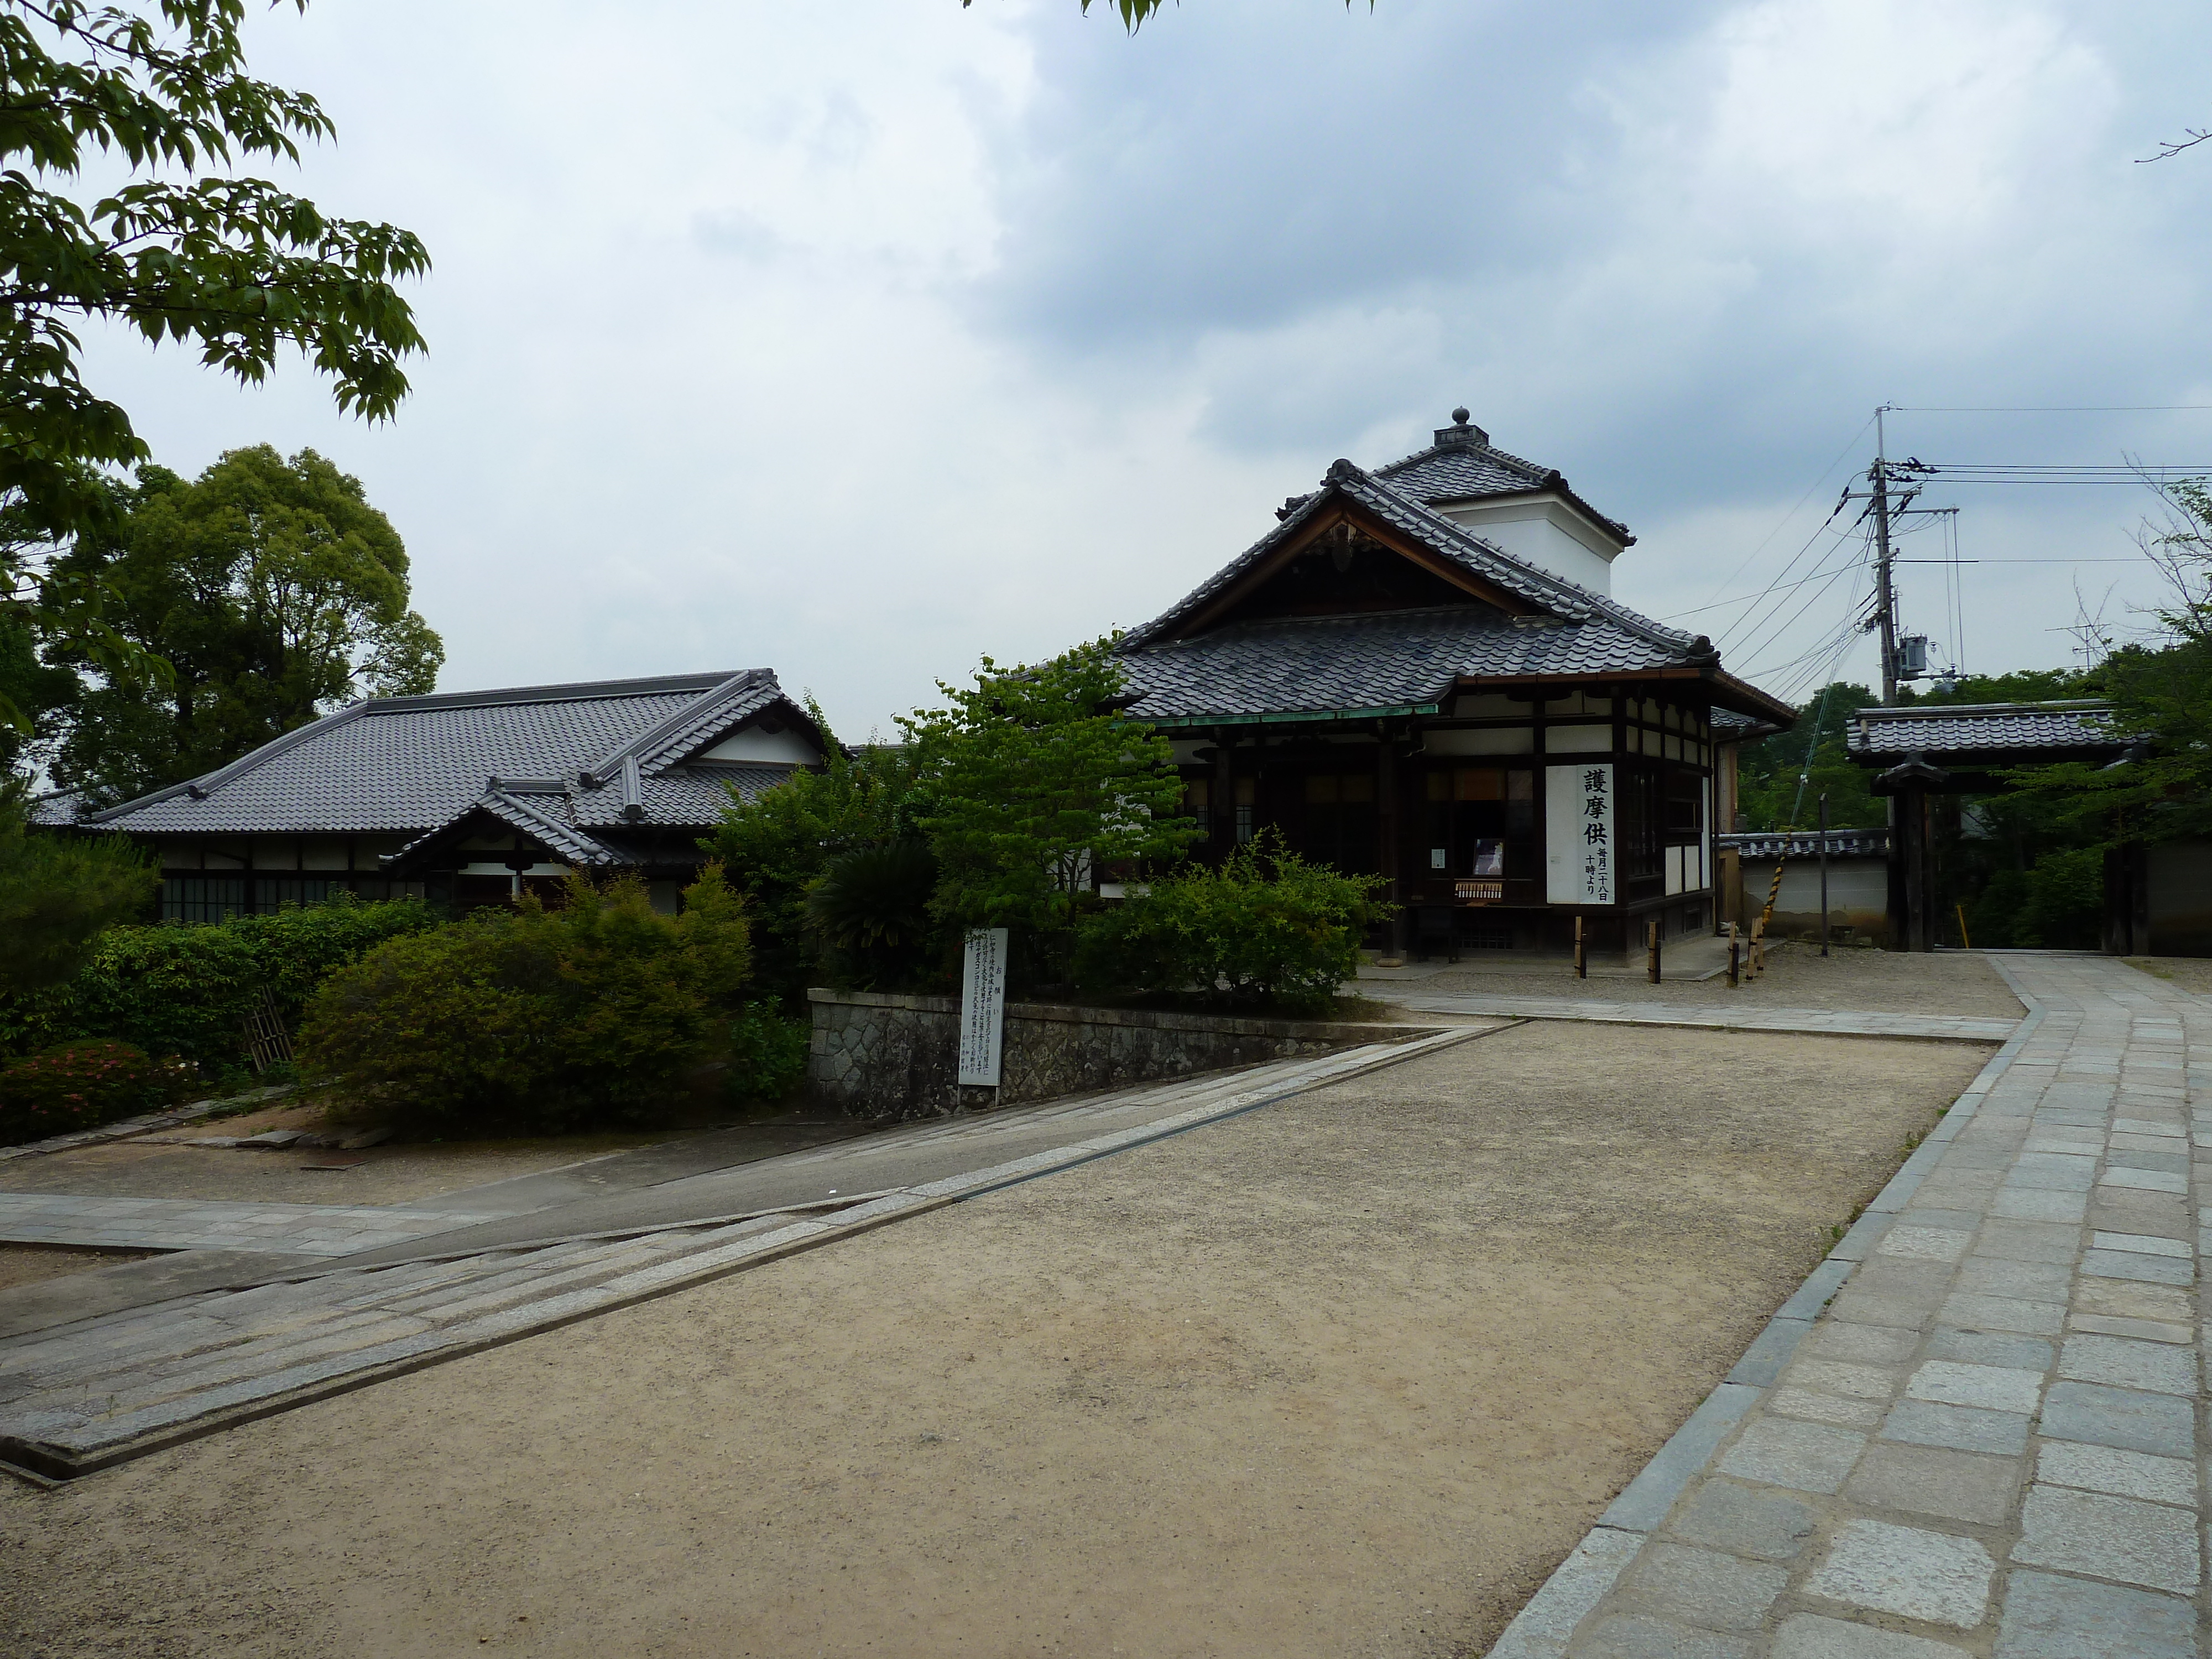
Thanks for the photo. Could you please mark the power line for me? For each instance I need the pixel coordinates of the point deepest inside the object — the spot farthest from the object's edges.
(2047, 409)
(1826, 472)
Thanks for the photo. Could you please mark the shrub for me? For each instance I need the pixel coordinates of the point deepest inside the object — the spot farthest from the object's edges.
(768, 1054)
(184, 988)
(870, 908)
(81, 1085)
(1266, 927)
(536, 1018)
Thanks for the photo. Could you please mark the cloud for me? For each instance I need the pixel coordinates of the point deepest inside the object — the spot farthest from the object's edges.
(860, 341)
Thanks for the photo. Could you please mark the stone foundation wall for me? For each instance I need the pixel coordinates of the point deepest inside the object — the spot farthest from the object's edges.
(894, 1058)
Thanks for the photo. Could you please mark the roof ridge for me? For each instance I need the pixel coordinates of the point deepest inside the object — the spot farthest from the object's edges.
(1952, 710)
(570, 691)
(644, 743)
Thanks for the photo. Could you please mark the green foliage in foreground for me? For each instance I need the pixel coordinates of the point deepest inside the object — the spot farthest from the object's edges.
(528, 1018)
(1267, 928)
(1035, 777)
(777, 847)
(82, 1085)
(56, 894)
(175, 988)
(184, 248)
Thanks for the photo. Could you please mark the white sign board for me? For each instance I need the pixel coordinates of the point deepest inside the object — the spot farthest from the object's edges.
(1578, 833)
(982, 1006)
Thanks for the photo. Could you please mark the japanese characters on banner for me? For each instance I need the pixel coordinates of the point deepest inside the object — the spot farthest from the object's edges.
(982, 1006)
(1578, 833)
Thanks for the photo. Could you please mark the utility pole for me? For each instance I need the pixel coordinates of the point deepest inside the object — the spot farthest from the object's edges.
(1885, 594)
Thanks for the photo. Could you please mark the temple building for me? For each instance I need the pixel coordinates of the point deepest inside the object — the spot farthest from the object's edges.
(1419, 673)
(468, 798)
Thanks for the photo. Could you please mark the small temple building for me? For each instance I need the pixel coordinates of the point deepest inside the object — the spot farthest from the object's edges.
(1419, 673)
(468, 798)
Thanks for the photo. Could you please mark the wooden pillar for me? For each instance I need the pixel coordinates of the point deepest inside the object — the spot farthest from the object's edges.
(1390, 834)
(1224, 796)
(1912, 826)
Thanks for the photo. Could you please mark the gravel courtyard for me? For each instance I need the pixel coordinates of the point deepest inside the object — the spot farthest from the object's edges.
(1344, 1376)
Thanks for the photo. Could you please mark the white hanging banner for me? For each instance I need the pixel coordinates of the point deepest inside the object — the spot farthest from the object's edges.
(1578, 835)
(982, 1006)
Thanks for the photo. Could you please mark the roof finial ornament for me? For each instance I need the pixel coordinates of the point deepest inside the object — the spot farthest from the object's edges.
(1462, 433)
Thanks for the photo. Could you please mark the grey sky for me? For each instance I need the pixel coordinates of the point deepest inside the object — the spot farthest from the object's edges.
(859, 339)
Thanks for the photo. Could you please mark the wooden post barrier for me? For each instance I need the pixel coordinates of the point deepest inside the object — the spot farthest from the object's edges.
(1734, 968)
(1651, 944)
(1581, 950)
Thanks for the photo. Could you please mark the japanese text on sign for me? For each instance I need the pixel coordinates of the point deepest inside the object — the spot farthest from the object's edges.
(982, 1006)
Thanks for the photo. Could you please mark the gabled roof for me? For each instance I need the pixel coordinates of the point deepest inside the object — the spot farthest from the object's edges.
(1463, 465)
(1399, 660)
(1985, 731)
(1347, 487)
(412, 765)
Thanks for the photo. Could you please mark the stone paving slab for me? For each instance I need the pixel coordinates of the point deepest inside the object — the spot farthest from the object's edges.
(1814, 1022)
(1989, 1441)
(79, 1397)
(130, 1127)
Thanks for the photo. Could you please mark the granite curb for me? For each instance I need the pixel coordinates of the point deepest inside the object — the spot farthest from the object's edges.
(1542, 1629)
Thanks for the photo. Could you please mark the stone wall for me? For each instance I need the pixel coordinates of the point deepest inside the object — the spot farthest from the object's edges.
(896, 1057)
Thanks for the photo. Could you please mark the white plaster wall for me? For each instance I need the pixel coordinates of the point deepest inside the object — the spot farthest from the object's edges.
(754, 744)
(1544, 534)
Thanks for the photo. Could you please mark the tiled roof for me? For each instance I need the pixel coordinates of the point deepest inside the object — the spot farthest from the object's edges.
(1554, 595)
(416, 765)
(1394, 660)
(1967, 728)
(1390, 659)
(1764, 844)
(1462, 464)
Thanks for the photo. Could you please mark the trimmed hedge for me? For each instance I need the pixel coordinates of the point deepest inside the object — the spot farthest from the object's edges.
(535, 1018)
(186, 988)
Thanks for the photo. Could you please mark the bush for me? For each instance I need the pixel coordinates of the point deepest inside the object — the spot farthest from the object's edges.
(768, 1054)
(1266, 927)
(869, 909)
(527, 1017)
(81, 1085)
(186, 988)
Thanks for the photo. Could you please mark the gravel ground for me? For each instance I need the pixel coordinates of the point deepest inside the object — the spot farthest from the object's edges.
(29, 1264)
(1796, 977)
(385, 1174)
(1344, 1376)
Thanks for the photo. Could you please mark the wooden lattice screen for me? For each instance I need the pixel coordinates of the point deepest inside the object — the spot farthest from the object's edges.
(266, 1039)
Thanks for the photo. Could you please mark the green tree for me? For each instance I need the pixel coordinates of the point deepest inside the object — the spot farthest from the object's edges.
(1768, 772)
(57, 893)
(2162, 696)
(185, 251)
(1036, 780)
(272, 590)
(776, 847)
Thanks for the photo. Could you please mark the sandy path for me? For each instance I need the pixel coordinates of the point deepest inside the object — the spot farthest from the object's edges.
(1343, 1377)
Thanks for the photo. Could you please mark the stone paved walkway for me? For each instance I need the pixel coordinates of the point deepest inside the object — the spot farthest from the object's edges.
(178, 1224)
(1749, 1017)
(1976, 1430)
